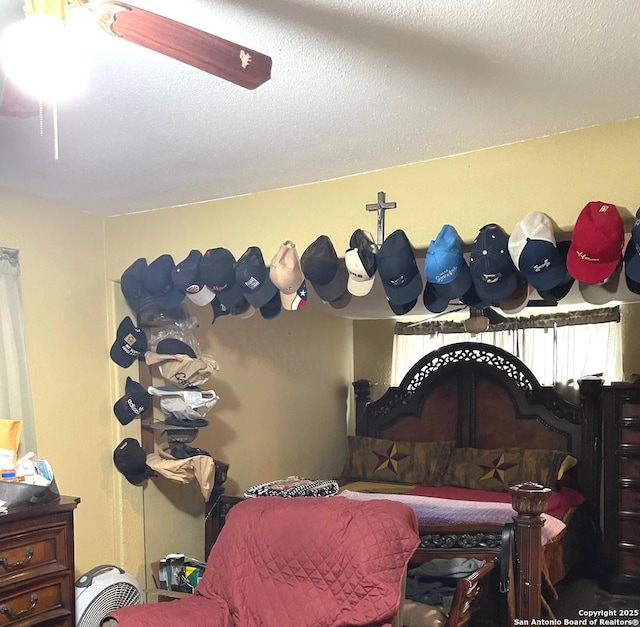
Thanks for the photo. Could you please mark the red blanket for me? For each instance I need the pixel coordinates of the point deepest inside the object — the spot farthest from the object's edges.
(300, 562)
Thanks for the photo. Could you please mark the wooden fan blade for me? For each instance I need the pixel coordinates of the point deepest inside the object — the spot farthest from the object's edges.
(15, 103)
(217, 56)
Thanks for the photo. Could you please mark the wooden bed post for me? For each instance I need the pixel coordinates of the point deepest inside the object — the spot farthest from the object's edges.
(529, 500)
(362, 391)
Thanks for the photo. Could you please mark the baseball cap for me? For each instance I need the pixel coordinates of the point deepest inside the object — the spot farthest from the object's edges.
(252, 276)
(131, 460)
(398, 269)
(322, 268)
(135, 401)
(558, 292)
(286, 274)
(130, 343)
(445, 266)
(272, 309)
(174, 346)
(471, 298)
(632, 253)
(218, 271)
(157, 280)
(360, 260)
(433, 300)
(219, 309)
(596, 243)
(186, 278)
(533, 250)
(133, 289)
(243, 309)
(492, 271)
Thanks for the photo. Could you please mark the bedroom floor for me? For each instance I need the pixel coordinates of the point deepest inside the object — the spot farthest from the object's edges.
(584, 594)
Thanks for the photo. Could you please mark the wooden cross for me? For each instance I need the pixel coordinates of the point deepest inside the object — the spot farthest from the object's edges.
(381, 206)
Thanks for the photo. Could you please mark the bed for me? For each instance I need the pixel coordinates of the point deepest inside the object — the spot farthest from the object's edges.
(471, 416)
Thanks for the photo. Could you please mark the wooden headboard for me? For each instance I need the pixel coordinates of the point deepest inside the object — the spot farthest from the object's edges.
(484, 397)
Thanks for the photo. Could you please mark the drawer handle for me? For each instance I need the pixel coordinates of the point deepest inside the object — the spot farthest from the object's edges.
(7, 611)
(27, 558)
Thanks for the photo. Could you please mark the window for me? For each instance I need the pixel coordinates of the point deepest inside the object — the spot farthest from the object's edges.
(559, 349)
(15, 391)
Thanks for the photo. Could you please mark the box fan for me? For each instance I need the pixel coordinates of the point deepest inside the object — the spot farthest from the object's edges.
(101, 590)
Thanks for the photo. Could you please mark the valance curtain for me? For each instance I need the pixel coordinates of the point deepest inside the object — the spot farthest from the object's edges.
(558, 352)
(15, 391)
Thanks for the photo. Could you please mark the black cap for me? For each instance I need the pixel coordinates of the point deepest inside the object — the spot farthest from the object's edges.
(252, 275)
(131, 460)
(186, 278)
(433, 300)
(130, 344)
(322, 268)
(174, 346)
(402, 309)
(398, 269)
(272, 309)
(218, 271)
(158, 282)
(219, 309)
(133, 289)
(136, 401)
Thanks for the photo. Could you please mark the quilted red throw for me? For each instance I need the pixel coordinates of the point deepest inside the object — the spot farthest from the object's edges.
(300, 562)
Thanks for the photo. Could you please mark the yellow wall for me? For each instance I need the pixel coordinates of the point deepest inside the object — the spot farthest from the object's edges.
(302, 360)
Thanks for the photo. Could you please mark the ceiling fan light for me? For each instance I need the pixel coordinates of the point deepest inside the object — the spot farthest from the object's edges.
(38, 56)
(476, 324)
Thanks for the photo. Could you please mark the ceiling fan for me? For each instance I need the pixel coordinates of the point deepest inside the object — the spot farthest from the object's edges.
(207, 52)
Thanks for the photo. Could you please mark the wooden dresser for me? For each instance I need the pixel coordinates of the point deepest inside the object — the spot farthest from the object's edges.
(621, 514)
(37, 565)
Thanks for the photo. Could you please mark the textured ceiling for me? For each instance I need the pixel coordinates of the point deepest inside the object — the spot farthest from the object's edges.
(356, 86)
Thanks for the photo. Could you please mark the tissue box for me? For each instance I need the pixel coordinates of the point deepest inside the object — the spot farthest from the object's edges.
(19, 493)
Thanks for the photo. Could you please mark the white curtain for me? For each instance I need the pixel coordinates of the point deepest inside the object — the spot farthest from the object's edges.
(556, 356)
(15, 391)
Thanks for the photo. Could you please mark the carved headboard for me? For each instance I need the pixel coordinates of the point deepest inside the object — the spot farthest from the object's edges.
(482, 396)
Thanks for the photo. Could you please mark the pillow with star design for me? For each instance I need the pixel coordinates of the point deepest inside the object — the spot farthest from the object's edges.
(375, 459)
(498, 469)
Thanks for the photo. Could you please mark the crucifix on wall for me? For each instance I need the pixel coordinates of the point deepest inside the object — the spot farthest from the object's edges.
(381, 206)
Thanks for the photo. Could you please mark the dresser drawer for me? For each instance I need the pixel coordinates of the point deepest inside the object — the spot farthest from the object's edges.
(629, 500)
(31, 553)
(629, 532)
(33, 604)
(630, 467)
(629, 560)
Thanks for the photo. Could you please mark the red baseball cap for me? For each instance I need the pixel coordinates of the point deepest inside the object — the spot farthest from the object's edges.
(596, 243)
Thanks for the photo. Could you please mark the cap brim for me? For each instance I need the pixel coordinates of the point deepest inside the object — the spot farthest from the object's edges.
(405, 293)
(558, 292)
(433, 300)
(633, 286)
(262, 295)
(120, 357)
(342, 302)
(335, 288)
(600, 294)
(137, 478)
(171, 299)
(123, 412)
(457, 287)
(471, 298)
(295, 301)
(402, 309)
(500, 290)
(359, 287)
(272, 309)
(632, 261)
(203, 297)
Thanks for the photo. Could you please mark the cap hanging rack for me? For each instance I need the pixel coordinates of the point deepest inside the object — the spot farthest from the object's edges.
(381, 206)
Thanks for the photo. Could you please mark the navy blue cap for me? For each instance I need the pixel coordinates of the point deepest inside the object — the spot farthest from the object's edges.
(252, 275)
(218, 271)
(133, 289)
(130, 344)
(433, 300)
(220, 309)
(135, 401)
(398, 269)
(558, 292)
(632, 253)
(158, 282)
(186, 277)
(322, 268)
(492, 270)
(403, 308)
